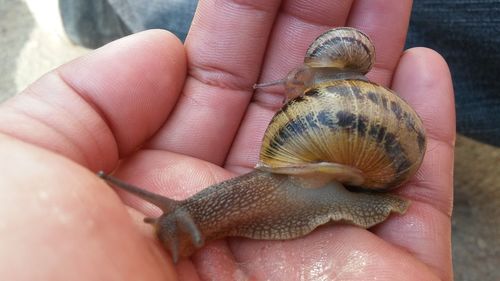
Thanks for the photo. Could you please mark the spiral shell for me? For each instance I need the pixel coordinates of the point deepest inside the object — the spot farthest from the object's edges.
(342, 118)
(351, 122)
(343, 48)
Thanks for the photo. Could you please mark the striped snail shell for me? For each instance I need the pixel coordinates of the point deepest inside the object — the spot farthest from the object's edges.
(340, 123)
(342, 48)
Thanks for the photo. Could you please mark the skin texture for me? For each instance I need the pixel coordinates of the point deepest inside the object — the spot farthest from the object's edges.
(173, 116)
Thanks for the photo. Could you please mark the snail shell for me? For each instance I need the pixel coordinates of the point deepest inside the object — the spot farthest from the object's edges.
(338, 54)
(343, 119)
(343, 48)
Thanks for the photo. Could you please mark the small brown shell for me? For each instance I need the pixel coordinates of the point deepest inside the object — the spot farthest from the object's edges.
(350, 122)
(343, 48)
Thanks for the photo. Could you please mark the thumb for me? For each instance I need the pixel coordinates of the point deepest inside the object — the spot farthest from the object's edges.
(104, 105)
(60, 222)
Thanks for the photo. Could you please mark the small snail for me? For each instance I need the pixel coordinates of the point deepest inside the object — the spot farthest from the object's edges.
(337, 130)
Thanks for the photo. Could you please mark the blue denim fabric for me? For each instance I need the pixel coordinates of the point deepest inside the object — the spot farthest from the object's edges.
(465, 32)
(91, 23)
(173, 15)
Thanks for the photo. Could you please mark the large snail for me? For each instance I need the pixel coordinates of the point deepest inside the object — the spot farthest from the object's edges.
(337, 130)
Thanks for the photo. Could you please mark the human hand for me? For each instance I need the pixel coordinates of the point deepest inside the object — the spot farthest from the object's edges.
(172, 123)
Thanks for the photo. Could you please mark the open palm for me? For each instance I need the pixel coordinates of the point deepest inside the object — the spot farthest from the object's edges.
(174, 119)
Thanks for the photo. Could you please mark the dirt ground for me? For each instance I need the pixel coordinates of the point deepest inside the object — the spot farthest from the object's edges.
(32, 42)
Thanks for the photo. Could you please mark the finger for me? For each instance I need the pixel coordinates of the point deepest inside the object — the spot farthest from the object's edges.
(102, 104)
(59, 222)
(386, 22)
(225, 47)
(423, 79)
(297, 24)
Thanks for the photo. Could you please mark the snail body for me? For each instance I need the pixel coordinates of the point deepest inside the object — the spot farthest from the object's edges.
(337, 129)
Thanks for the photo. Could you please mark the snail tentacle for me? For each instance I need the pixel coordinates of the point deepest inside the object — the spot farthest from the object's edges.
(165, 204)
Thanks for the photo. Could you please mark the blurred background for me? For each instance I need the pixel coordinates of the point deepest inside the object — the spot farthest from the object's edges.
(33, 41)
